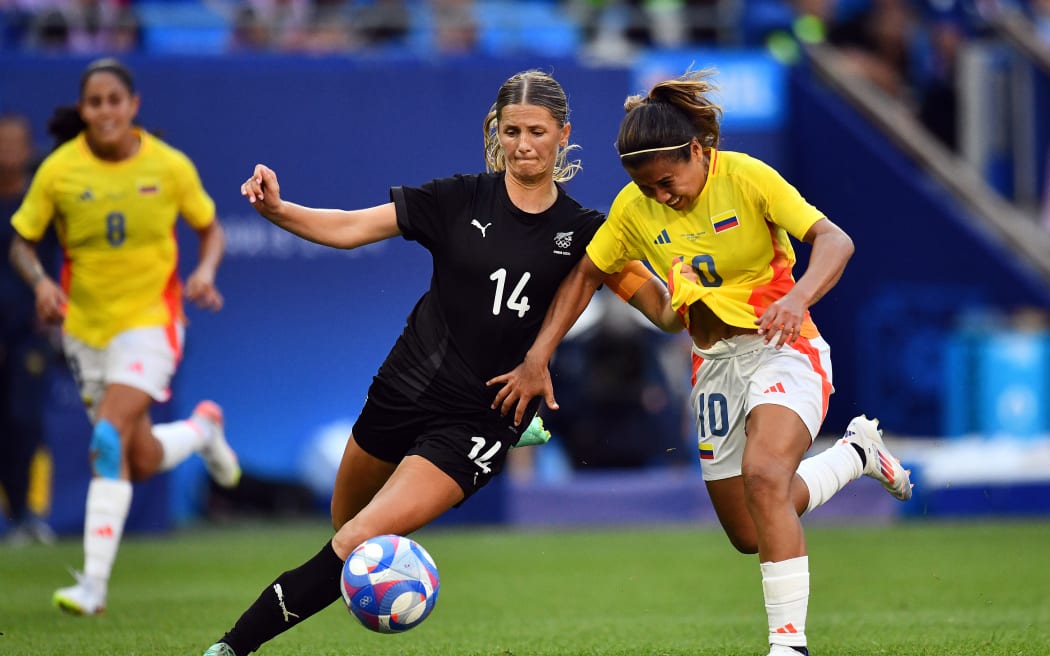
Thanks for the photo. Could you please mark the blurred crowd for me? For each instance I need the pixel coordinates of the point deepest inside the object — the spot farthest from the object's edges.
(888, 31)
(909, 49)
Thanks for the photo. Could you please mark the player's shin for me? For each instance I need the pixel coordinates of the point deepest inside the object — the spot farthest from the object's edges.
(294, 596)
(786, 588)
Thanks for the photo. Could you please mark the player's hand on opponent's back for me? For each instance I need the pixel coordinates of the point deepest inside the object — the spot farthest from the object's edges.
(262, 190)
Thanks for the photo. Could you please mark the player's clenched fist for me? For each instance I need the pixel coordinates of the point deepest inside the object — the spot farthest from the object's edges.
(262, 190)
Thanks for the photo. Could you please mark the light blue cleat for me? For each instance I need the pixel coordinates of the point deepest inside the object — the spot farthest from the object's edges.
(220, 649)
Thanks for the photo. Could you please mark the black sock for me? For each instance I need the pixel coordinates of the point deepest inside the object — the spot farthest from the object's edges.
(294, 596)
(860, 452)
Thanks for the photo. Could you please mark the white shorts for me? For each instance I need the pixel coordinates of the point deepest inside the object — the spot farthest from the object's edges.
(739, 373)
(143, 358)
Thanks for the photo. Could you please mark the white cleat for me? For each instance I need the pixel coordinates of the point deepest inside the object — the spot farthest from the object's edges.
(880, 464)
(29, 531)
(87, 597)
(218, 456)
(220, 649)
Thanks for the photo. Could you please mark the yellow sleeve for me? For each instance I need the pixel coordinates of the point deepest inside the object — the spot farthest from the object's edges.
(608, 248)
(31, 219)
(785, 206)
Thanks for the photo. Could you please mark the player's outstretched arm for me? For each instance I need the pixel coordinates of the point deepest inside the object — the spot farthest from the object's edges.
(532, 377)
(337, 228)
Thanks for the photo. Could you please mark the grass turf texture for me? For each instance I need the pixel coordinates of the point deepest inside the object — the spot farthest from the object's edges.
(922, 589)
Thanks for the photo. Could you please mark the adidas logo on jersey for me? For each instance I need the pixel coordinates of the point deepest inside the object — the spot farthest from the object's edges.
(662, 238)
(775, 389)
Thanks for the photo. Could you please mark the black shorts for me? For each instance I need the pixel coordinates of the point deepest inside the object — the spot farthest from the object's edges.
(470, 448)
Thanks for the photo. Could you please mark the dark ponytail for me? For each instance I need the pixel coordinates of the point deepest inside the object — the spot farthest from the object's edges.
(64, 124)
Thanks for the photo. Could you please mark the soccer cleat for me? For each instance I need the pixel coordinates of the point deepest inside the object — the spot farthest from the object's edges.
(28, 531)
(879, 464)
(535, 434)
(781, 650)
(220, 649)
(87, 597)
(218, 456)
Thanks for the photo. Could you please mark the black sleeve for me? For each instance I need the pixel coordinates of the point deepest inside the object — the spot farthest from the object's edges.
(423, 212)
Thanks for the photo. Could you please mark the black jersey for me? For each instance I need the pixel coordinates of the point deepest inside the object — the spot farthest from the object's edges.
(496, 270)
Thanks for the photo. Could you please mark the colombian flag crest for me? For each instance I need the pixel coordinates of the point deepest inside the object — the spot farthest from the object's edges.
(724, 221)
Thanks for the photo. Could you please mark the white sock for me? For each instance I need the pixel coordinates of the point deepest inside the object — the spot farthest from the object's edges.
(786, 588)
(180, 440)
(108, 501)
(828, 472)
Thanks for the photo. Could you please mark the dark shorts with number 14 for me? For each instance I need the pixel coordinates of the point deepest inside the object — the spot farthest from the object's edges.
(469, 448)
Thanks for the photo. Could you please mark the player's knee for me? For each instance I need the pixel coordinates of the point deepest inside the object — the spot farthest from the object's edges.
(347, 537)
(766, 482)
(105, 449)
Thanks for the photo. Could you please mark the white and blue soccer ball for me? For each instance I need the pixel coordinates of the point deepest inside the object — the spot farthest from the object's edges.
(390, 583)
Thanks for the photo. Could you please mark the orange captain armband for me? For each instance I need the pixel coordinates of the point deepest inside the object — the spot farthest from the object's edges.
(629, 280)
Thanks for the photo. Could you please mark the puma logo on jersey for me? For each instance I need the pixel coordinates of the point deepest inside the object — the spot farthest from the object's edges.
(482, 228)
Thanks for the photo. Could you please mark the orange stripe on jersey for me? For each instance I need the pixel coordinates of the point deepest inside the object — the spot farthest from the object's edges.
(697, 361)
(173, 300)
(714, 161)
(779, 285)
(806, 348)
(66, 274)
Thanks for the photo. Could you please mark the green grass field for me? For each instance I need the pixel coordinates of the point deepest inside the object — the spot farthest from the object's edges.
(921, 589)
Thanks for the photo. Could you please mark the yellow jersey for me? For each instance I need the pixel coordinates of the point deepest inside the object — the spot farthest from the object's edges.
(736, 235)
(116, 224)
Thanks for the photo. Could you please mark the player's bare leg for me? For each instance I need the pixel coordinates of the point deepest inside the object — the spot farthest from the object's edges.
(358, 480)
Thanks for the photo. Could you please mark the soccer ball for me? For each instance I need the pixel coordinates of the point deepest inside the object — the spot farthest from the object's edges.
(390, 584)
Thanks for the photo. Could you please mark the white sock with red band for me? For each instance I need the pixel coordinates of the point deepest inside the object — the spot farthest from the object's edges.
(108, 502)
(786, 588)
